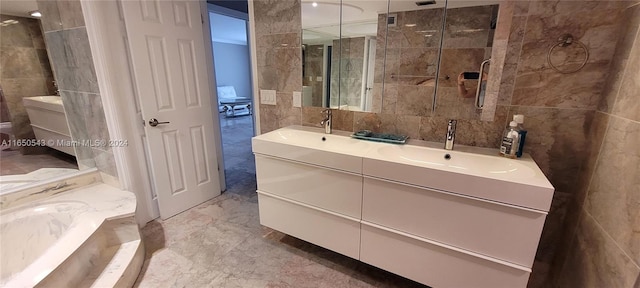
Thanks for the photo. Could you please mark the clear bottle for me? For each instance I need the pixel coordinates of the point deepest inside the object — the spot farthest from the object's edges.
(510, 140)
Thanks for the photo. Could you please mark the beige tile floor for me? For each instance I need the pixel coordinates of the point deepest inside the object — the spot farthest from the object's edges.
(221, 243)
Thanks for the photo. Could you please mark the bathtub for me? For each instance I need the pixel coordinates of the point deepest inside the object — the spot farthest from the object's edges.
(80, 238)
(49, 121)
(49, 221)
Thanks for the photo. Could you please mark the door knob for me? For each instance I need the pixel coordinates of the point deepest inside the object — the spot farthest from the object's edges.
(154, 122)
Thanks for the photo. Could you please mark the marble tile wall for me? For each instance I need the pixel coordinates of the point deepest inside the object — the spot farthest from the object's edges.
(68, 45)
(278, 31)
(560, 114)
(24, 71)
(560, 109)
(604, 245)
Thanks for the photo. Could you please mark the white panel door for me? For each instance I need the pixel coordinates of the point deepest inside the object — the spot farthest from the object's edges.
(166, 43)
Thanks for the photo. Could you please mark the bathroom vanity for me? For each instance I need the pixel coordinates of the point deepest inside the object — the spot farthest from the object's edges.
(49, 121)
(464, 218)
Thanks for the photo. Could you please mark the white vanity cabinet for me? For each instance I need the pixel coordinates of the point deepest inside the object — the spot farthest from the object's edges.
(464, 220)
(502, 231)
(332, 190)
(321, 205)
(446, 239)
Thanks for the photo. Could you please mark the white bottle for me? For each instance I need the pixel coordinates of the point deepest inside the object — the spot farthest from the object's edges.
(510, 140)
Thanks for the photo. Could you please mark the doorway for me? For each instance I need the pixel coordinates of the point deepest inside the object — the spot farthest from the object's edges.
(229, 35)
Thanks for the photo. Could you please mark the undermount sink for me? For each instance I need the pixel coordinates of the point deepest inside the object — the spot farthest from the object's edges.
(514, 181)
(460, 162)
(315, 140)
(311, 145)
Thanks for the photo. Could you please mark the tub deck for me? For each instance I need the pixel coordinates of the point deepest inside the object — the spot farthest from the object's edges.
(84, 237)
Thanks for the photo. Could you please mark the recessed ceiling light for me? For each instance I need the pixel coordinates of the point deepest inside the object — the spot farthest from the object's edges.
(314, 4)
(36, 14)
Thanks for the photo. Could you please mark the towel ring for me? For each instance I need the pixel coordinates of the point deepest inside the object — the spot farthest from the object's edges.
(564, 41)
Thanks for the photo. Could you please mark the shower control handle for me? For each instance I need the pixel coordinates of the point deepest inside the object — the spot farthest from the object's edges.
(154, 122)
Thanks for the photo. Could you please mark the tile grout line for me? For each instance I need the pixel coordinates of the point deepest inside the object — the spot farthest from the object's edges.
(595, 166)
(582, 209)
(624, 72)
(572, 240)
(631, 259)
(632, 5)
(64, 29)
(620, 117)
(551, 107)
(82, 92)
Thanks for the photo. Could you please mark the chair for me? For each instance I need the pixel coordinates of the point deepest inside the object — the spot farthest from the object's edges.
(228, 101)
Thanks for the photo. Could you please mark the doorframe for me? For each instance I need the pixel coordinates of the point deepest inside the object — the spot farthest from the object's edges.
(108, 46)
(253, 77)
(213, 91)
(253, 51)
(227, 12)
(120, 112)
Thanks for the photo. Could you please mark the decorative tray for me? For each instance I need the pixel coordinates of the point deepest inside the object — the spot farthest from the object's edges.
(380, 137)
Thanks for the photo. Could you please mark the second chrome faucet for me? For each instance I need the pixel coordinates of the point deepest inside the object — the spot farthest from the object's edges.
(451, 135)
(326, 122)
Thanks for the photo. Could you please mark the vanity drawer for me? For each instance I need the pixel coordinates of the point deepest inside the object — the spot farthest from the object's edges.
(327, 189)
(50, 120)
(434, 265)
(329, 230)
(498, 230)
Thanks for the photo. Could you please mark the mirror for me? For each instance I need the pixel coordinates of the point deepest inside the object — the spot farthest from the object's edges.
(40, 123)
(320, 34)
(423, 46)
(339, 53)
(413, 39)
(394, 71)
(467, 44)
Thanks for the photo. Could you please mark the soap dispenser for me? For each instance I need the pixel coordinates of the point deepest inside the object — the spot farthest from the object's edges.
(519, 118)
(510, 140)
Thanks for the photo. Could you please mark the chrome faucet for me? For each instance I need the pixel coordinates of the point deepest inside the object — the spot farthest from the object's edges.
(326, 122)
(451, 135)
